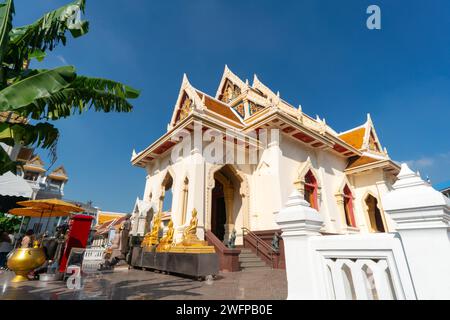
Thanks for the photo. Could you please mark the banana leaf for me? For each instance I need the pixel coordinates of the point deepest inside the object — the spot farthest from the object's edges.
(41, 85)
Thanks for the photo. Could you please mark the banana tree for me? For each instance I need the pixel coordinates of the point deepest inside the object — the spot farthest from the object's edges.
(38, 95)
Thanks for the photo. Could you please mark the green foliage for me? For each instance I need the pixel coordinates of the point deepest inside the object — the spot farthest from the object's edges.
(9, 222)
(44, 95)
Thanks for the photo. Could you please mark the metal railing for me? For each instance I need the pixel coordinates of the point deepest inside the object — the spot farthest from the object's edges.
(261, 246)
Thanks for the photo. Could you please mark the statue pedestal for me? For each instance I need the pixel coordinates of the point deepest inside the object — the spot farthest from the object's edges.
(190, 264)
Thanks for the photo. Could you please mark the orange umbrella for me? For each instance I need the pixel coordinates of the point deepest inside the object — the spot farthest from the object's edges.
(50, 205)
(35, 213)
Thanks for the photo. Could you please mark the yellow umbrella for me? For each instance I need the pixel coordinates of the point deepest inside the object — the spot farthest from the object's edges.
(50, 205)
(35, 212)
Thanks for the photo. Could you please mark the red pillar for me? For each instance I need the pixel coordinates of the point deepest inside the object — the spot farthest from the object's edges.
(79, 228)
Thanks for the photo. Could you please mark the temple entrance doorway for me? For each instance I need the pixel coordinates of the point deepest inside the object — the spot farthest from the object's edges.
(219, 213)
(375, 218)
(226, 203)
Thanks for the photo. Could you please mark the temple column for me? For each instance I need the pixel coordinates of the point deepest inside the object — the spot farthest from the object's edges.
(229, 207)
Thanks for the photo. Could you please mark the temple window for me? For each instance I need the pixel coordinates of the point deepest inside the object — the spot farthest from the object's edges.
(31, 176)
(374, 213)
(165, 204)
(311, 190)
(348, 207)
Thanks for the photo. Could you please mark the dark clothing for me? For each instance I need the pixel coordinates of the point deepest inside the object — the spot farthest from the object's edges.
(124, 246)
(3, 259)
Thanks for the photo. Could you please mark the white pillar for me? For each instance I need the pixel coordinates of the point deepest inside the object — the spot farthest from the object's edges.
(422, 216)
(299, 222)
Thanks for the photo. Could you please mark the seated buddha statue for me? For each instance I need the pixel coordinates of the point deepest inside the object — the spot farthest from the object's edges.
(190, 233)
(151, 238)
(166, 242)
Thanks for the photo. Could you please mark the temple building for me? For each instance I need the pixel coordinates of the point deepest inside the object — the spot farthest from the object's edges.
(342, 175)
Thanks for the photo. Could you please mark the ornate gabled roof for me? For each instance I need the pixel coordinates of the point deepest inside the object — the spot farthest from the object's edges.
(229, 77)
(363, 137)
(219, 107)
(354, 137)
(265, 91)
(249, 108)
(187, 101)
(35, 164)
(191, 99)
(59, 174)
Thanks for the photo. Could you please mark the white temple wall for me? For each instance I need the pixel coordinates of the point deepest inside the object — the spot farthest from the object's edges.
(182, 168)
(328, 169)
(369, 182)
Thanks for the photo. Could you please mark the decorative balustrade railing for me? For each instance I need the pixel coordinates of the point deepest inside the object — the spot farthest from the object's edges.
(362, 267)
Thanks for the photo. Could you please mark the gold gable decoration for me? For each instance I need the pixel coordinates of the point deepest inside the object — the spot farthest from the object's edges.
(185, 108)
(229, 92)
(254, 108)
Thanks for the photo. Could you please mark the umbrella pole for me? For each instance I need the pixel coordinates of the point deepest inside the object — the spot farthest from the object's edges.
(40, 219)
(46, 226)
(19, 232)
(48, 220)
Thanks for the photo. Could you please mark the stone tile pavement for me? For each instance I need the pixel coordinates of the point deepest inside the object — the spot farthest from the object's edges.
(124, 284)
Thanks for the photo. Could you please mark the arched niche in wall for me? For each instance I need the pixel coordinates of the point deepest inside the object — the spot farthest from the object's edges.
(374, 213)
(308, 184)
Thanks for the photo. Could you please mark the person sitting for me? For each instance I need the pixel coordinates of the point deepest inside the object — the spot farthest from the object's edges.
(28, 239)
(5, 248)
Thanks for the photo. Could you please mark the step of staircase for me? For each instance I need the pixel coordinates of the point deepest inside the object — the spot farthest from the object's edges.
(259, 263)
(249, 261)
(255, 269)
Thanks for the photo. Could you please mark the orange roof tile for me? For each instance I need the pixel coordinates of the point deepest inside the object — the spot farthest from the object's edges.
(103, 218)
(219, 107)
(360, 161)
(355, 137)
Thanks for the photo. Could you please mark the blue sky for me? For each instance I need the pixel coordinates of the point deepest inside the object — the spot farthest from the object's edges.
(317, 53)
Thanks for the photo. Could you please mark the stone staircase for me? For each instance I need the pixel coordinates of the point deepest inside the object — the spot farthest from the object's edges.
(249, 261)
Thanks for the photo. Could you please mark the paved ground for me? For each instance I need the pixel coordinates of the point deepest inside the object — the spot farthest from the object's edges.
(124, 284)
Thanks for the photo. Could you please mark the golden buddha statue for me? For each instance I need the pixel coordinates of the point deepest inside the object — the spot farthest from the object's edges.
(190, 233)
(151, 238)
(166, 242)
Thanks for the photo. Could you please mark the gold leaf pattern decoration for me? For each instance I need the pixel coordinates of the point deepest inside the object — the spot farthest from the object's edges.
(240, 109)
(255, 108)
(186, 108)
(230, 92)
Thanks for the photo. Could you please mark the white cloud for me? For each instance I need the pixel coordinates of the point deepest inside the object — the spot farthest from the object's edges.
(421, 162)
(62, 59)
(437, 166)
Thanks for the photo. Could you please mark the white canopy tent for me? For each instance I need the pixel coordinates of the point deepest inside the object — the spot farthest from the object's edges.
(14, 186)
